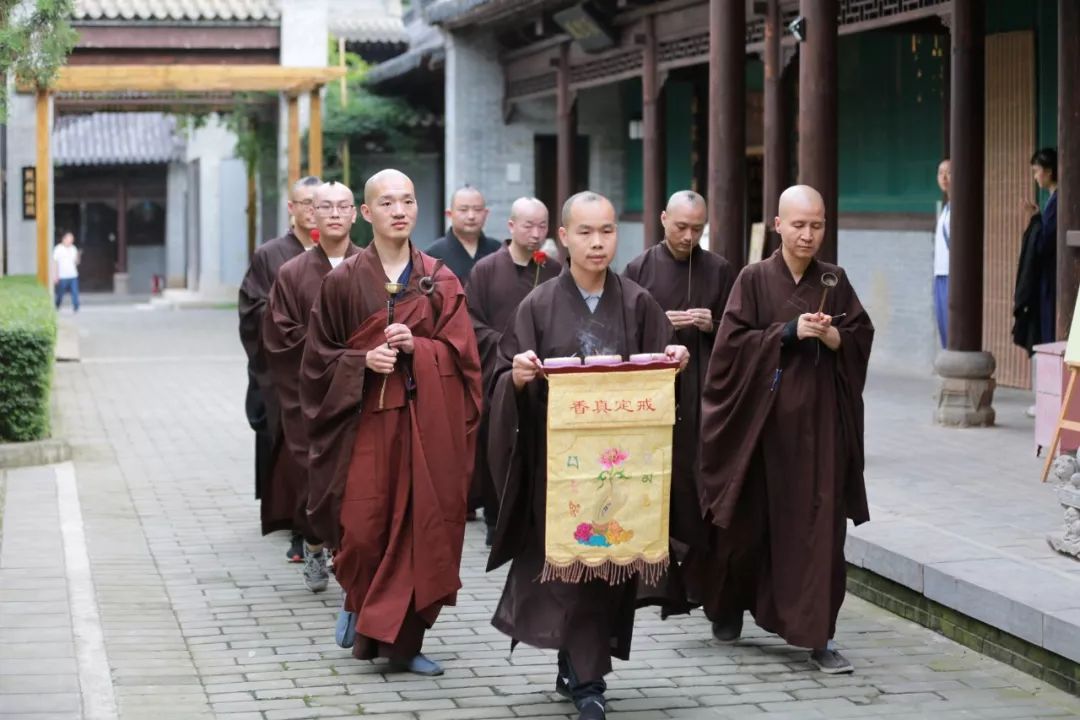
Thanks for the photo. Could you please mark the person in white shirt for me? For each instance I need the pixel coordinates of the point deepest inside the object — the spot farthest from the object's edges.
(941, 255)
(66, 270)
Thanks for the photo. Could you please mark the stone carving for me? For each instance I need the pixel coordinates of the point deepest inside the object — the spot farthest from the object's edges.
(1063, 469)
(1066, 472)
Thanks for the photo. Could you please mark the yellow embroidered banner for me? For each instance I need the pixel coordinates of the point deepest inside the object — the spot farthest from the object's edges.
(608, 474)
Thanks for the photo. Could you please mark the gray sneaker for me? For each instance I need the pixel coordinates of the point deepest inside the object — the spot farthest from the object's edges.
(830, 662)
(316, 576)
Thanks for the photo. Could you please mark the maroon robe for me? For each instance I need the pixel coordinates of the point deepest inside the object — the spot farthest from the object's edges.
(388, 485)
(592, 621)
(782, 451)
(496, 287)
(283, 332)
(669, 282)
(273, 468)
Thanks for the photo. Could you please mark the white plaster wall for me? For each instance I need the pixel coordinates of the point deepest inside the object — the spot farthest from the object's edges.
(176, 225)
(305, 32)
(22, 152)
(892, 272)
(144, 261)
(211, 144)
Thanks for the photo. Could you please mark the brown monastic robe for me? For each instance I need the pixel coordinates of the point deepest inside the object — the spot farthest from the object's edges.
(388, 485)
(782, 451)
(284, 329)
(495, 288)
(274, 469)
(669, 282)
(592, 621)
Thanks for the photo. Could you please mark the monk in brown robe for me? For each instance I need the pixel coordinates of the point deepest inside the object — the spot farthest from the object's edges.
(586, 310)
(782, 439)
(390, 391)
(274, 468)
(496, 287)
(284, 330)
(692, 285)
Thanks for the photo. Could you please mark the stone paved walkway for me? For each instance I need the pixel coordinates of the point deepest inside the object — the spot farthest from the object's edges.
(201, 617)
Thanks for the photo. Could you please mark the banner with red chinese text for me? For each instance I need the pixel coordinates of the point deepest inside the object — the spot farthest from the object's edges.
(608, 473)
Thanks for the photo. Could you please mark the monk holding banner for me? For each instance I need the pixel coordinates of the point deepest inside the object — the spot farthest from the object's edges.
(585, 311)
(274, 466)
(496, 287)
(782, 439)
(390, 390)
(284, 330)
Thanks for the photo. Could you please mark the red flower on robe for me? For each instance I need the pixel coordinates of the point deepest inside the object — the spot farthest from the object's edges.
(315, 235)
(539, 257)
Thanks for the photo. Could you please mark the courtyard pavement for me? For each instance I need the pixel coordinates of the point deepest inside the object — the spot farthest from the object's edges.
(134, 582)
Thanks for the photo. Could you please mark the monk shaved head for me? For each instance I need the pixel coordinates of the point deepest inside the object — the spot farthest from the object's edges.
(688, 198)
(302, 203)
(528, 226)
(589, 231)
(585, 197)
(467, 213)
(371, 187)
(800, 222)
(390, 206)
(684, 222)
(335, 212)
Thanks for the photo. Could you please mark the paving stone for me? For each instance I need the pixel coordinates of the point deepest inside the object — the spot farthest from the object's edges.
(203, 617)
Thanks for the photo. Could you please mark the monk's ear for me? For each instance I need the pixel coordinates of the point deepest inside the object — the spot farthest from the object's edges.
(776, 224)
(562, 237)
(365, 212)
(449, 212)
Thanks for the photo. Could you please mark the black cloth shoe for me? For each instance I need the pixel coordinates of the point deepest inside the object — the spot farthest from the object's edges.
(593, 708)
(296, 549)
(728, 631)
(830, 662)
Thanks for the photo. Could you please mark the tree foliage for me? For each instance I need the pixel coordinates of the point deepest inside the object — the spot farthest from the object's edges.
(368, 122)
(36, 38)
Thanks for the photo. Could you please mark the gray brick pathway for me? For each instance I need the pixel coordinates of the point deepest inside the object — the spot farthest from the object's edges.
(202, 617)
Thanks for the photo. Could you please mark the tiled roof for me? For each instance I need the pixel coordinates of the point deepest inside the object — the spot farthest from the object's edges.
(128, 138)
(177, 10)
(370, 29)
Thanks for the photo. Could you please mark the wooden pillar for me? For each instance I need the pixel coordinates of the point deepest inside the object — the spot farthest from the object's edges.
(651, 150)
(294, 139)
(252, 207)
(1068, 202)
(775, 175)
(727, 131)
(818, 112)
(121, 225)
(966, 193)
(565, 131)
(42, 186)
(315, 136)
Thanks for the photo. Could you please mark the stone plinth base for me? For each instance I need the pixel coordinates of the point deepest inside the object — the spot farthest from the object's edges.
(120, 283)
(966, 394)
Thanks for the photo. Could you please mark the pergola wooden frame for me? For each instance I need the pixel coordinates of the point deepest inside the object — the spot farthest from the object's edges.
(292, 81)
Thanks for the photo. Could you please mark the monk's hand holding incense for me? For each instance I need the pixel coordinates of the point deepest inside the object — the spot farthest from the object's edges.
(679, 354)
(818, 326)
(702, 319)
(400, 337)
(680, 318)
(525, 369)
(381, 359)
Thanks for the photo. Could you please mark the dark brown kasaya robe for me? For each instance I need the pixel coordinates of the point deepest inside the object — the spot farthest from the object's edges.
(496, 287)
(284, 329)
(274, 469)
(387, 485)
(782, 451)
(669, 282)
(591, 621)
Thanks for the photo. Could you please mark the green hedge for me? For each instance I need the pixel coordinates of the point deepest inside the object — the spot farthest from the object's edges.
(27, 345)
